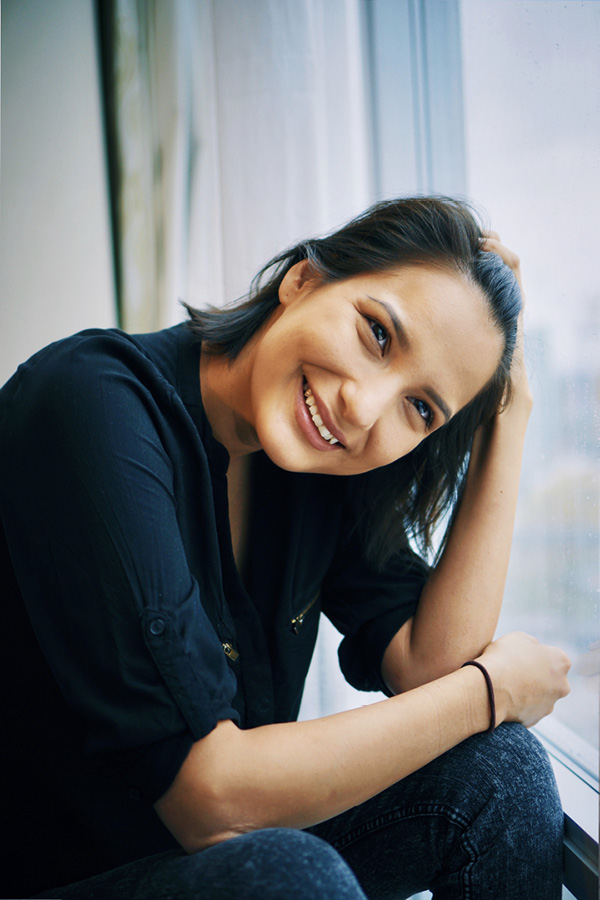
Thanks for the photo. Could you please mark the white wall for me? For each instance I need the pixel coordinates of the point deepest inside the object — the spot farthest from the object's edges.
(55, 243)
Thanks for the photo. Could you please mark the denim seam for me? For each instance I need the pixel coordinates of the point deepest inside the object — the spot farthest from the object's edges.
(412, 812)
(397, 815)
(465, 875)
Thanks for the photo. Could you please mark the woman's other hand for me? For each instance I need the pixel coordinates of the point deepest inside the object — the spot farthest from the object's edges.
(528, 677)
(492, 243)
(521, 391)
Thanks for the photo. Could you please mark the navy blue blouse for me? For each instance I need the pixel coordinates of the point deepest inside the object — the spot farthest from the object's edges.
(128, 630)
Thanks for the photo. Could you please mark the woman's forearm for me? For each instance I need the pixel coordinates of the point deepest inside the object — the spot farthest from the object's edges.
(301, 773)
(459, 607)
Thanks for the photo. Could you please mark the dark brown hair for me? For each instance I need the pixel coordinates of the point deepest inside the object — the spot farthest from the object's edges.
(409, 497)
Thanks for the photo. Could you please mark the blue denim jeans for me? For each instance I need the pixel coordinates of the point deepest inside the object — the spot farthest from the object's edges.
(482, 822)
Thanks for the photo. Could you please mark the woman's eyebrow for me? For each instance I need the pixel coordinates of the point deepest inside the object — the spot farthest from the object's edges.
(404, 342)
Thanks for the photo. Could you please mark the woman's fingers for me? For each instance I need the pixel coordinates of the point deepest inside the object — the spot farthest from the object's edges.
(492, 243)
(528, 677)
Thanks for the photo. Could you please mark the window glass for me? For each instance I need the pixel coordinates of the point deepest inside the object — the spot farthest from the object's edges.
(532, 100)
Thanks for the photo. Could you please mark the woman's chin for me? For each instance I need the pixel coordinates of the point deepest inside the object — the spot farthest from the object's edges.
(294, 455)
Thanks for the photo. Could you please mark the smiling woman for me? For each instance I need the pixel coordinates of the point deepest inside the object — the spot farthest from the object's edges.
(174, 521)
(396, 324)
(373, 390)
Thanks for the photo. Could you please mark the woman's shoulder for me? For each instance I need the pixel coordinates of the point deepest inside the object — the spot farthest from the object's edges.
(91, 355)
(96, 377)
(102, 345)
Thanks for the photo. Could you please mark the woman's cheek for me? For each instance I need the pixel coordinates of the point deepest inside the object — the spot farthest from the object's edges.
(396, 443)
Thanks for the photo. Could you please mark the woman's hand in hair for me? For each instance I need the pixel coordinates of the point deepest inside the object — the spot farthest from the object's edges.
(492, 243)
(521, 396)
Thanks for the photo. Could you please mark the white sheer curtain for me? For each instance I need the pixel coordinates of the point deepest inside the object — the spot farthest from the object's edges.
(151, 94)
(282, 140)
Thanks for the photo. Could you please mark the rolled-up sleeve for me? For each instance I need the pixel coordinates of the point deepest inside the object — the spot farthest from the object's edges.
(89, 501)
(368, 605)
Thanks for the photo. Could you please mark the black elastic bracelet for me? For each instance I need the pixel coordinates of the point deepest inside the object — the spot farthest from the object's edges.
(490, 688)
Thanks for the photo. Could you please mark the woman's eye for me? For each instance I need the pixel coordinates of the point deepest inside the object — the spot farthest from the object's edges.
(423, 409)
(380, 334)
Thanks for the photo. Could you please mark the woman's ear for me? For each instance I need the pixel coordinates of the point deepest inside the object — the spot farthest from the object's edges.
(296, 282)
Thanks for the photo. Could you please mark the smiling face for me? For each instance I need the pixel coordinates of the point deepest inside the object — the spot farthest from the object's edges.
(350, 376)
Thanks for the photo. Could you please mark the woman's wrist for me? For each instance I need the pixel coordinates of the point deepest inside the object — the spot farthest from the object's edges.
(497, 675)
(520, 403)
(490, 689)
(510, 423)
(464, 697)
(477, 699)
(505, 432)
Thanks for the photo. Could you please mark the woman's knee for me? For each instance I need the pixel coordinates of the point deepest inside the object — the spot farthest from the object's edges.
(520, 803)
(521, 766)
(501, 782)
(262, 865)
(274, 863)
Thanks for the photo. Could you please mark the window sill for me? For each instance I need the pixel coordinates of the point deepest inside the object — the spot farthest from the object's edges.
(575, 769)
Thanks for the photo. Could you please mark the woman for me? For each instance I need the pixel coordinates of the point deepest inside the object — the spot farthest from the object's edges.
(174, 522)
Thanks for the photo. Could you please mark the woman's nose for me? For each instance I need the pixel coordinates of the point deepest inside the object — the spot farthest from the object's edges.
(364, 402)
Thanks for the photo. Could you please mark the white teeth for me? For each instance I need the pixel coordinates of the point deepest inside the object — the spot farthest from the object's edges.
(314, 412)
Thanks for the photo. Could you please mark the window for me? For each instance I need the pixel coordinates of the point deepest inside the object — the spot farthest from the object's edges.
(530, 74)
(499, 102)
(531, 145)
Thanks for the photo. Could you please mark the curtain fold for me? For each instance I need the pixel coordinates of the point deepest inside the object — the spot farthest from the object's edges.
(283, 147)
(147, 51)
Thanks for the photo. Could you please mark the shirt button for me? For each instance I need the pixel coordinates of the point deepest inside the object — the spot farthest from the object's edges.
(157, 626)
(263, 709)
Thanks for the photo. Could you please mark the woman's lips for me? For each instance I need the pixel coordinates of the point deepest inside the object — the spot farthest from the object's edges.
(308, 427)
